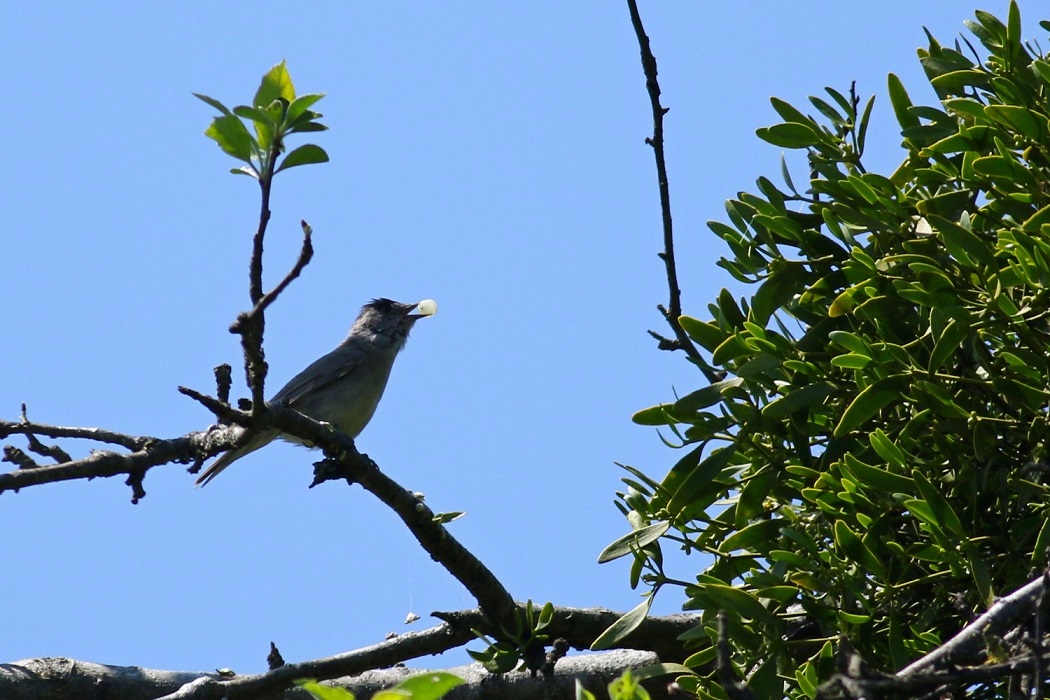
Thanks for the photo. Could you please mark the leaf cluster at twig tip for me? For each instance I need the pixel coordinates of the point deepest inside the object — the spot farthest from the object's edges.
(275, 113)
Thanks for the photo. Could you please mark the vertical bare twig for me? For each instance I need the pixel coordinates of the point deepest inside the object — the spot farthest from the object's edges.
(733, 686)
(253, 327)
(673, 309)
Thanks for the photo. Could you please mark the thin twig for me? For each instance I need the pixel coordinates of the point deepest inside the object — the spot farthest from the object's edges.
(734, 687)
(223, 411)
(674, 308)
(53, 451)
(306, 253)
(253, 327)
(1037, 646)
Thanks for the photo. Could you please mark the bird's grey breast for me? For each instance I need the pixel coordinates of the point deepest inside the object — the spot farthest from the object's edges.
(343, 387)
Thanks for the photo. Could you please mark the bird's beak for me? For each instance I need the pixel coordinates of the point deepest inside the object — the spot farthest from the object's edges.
(427, 307)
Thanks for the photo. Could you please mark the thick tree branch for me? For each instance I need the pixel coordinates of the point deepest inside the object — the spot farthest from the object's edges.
(964, 659)
(1005, 613)
(581, 626)
(60, 678)
(343, 461)
(65, 679)
(392, 651)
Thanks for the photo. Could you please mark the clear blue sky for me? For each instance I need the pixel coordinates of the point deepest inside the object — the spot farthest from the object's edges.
(488, 155)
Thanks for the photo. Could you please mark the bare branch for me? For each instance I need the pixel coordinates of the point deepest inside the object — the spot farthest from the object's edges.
(251, 324)
(732, 684)
(223, 382)
(581, 626)
(106, 463)
(1003, 614)
(131, 442)
(674, 307)
(222, 410)
(65, 679)
(386, 653)
(306, 253)
(345, 462)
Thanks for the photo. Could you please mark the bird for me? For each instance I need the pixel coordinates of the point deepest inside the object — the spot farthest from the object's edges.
(343, 387)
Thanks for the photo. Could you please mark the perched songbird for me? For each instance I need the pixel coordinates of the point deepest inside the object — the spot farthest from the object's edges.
(342, 388)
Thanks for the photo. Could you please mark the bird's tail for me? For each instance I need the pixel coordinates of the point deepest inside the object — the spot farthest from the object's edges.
(260, 440)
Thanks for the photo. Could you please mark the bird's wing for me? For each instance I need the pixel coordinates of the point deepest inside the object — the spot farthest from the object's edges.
(322, 372)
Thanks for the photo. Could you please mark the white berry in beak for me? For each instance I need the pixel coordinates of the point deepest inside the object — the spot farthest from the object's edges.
(427, 307)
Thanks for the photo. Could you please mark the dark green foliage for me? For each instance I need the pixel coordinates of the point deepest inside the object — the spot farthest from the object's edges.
(875, 463)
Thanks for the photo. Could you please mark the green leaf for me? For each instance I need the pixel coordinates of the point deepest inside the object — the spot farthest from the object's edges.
(1036, 221)
(942, 510)
(752, 501)
(962, 243)
(626, 687)
(698, 480)
(324, 692)
(923, 511)
(301, 104)
(982, 578)
(1020, 119)
(304, 155)
(619, 630)
(761, 532)
(901, 103)
(708, 396)
(582, 693)
(853, 618)
(851, 341)
(869, 402)
(788, 112)
(232, 136)
(855, 549)
(303, 127)
(876, 478)
(633, 541)
(1013, 28)
(956, 82)
(850, 361)
(214, 103)
(654, 415)
(887, 449)
(798, 399)
(445, 518)
(256, 115)
(707, 334)
(951, 340)
(426, 686)
(806, 677)
(789, 135)
(948, 205)
(738, 601)
(276, 84)
(703, 657)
